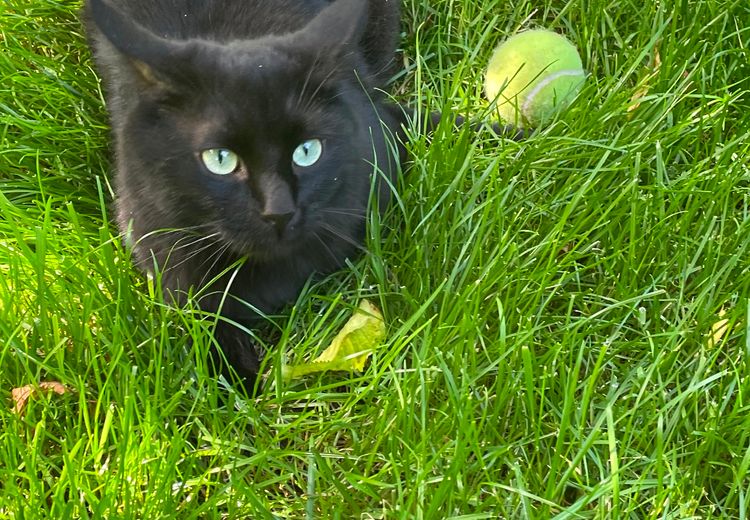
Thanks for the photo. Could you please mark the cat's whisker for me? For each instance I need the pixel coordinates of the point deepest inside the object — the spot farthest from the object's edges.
(320, 86)
(216, 255)
(325, 101)
(167, 250)
(343, 236)
(186, 229)
(194, 238)
(385, 67)
(307, 81)
(357, 213)
(325, 246)
(175, 247)
(188, 257)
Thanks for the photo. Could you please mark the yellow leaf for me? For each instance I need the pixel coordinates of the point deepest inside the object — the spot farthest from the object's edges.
(718, 330)
(350, 348)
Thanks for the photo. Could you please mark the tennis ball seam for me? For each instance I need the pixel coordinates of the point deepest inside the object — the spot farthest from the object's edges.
(531, 94)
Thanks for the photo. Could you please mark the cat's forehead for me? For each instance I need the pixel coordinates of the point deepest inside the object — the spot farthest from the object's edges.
(243, 54)
(260, 92)
(251, 63)
(253, 75)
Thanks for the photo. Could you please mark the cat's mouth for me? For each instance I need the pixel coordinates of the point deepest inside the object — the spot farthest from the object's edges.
(272, 244)
(319, 240)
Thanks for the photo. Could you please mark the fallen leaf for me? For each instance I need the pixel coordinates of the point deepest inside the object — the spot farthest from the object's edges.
(21, 395)
(643, 90)
(718, 330)
(350, 348)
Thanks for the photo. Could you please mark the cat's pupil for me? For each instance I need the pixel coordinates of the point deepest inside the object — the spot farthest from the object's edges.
(220, 161)
(307, 153)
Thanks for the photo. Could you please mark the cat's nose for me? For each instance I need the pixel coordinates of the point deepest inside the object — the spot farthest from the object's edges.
(279, 220)
(278, 201)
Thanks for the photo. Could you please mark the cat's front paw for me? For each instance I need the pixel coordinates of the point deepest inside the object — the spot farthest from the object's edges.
(236, 358)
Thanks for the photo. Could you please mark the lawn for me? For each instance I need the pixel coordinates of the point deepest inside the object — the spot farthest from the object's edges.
(568, 316)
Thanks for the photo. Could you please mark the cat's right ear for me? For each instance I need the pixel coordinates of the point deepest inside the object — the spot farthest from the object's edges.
(151, 56)
(335, 30)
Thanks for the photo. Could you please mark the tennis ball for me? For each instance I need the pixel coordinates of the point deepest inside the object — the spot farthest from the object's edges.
(532, 75)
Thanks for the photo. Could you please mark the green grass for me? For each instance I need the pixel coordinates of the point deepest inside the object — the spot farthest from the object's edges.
(549, 303)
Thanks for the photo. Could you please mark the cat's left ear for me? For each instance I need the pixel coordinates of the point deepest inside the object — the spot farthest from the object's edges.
(152, 57)
(336, 30)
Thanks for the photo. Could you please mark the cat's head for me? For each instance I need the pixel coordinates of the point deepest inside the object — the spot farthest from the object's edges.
(269, 144)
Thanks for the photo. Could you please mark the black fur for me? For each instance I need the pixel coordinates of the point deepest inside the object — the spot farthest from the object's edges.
(257, 77)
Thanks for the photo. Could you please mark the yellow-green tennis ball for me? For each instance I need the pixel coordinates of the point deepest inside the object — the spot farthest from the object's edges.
(533, 75)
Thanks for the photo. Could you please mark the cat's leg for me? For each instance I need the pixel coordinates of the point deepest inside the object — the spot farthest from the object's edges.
(507, 131)
(256, 291)
(234, 356)
(403, 117)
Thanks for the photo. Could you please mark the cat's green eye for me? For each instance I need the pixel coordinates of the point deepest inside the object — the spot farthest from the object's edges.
(307, 153)
(220, 161)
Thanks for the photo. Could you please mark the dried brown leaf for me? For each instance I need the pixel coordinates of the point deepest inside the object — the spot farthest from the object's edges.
(22, 394)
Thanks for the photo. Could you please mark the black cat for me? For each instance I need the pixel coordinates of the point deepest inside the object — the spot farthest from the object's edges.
(247, 137)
